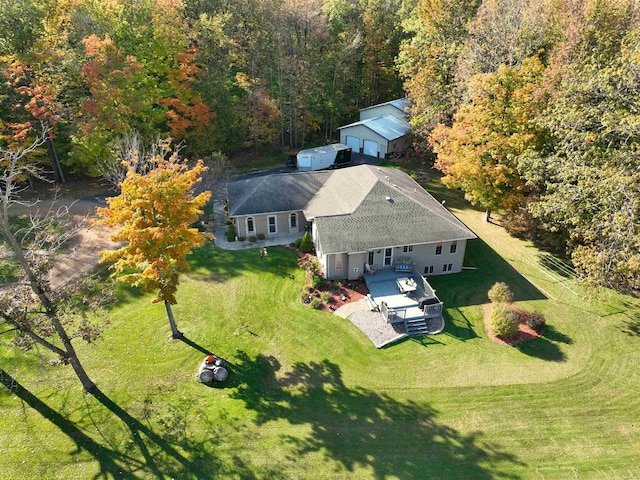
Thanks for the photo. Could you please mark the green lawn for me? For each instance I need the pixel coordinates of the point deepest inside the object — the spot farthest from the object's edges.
(310, 397)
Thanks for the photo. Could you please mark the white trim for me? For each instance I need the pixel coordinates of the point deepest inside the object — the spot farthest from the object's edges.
(274, 224)
(246, 226)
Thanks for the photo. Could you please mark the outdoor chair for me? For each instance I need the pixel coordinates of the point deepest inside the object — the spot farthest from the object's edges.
(369, 269)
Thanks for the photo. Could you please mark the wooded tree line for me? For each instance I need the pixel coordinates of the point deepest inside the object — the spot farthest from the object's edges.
(533, 109)
(531, 106)
(217, 75)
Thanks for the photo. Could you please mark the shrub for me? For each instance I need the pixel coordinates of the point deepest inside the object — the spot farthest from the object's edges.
(315, 303)
(503, 320)
(260, 236)
(317, 281)
(310, 264)
(500, 293)
(336, 286)
(230, 233)
(306, 244)
(241, 239)
(252, 238)
(535, 320)
(297, 243)
(325, 297)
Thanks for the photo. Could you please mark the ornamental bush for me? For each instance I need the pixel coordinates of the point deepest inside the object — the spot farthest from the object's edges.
(503, 320)
(535, 320)
(230, 233)
(306, 245)
(500, 293)
(317, 281)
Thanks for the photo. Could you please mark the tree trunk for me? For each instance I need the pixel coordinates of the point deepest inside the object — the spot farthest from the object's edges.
(53, 156)
(175, 333)
(487, 215)
(50, 310)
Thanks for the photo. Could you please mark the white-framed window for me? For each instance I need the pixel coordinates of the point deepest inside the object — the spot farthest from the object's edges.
(273, 228)
(439, 248)
(338, 263)
(447, 267)
(250, 226)
(454, 247)
(293, 221)
(428, 270)
(407, 249)
(388, 257)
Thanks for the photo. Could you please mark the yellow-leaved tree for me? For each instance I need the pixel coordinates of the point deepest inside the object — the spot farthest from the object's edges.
(153, 213)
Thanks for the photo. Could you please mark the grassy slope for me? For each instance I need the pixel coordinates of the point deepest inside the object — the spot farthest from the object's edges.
(311, 398)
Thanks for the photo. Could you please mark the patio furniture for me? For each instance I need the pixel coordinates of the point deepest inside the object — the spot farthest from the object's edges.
(369, 269)
(403, 268)
(406, 285)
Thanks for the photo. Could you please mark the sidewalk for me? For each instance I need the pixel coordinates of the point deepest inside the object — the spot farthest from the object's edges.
(220, 226)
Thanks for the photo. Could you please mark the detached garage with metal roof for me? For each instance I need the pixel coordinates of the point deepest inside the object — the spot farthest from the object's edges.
(381, 130)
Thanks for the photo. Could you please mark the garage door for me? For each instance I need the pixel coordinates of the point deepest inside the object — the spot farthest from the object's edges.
(370, 148)
(354, 143)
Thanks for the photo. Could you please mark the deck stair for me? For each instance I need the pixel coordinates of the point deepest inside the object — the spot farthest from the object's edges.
(416, 326)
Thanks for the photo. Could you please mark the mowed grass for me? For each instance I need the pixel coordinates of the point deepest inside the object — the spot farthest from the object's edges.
(310, 397)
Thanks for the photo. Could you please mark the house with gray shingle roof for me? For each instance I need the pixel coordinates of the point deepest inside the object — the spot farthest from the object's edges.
(357, 215)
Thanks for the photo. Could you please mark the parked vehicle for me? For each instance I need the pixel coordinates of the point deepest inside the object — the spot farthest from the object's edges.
(329, 156)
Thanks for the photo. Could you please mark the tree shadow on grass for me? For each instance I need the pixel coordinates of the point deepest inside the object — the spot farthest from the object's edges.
(111, 462)
(360, 428)
(546, 347)
(142, 452)
(470, 287)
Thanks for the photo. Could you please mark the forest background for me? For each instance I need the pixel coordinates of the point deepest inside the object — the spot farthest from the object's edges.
(532, 108)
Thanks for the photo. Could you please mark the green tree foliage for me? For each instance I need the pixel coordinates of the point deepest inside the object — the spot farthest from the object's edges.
(500, 293)
(592, 174)
(306, 245)
(479, 152)
(503, 320)
(427, 60)
(153, 213)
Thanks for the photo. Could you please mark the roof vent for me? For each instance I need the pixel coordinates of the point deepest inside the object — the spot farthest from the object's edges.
(389, 199)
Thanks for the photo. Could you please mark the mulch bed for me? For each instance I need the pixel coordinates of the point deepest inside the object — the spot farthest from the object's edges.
(524, 334)
(351, 291)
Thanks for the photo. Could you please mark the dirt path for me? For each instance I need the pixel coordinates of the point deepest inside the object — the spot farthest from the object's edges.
(82, 253)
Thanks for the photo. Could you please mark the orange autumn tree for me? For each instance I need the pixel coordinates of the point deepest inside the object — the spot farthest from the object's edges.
(153, 214)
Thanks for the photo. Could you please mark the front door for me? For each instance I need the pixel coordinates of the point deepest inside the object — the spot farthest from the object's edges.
(388, 257)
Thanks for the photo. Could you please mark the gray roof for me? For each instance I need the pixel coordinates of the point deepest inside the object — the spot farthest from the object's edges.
(274, 193)
(401, 104)
(396, 211)
(355, 209)
(387, 126)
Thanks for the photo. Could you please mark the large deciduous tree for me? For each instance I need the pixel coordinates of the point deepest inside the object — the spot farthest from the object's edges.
(29, 308)
(479, 152)
(154, 213)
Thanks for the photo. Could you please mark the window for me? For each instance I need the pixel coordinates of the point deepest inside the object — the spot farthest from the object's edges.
(439, 248)
(250, 228)
(338, 263)
(388, 257)
(428, 270)
(407, 249)
(272, 225)
(293, 221)
(447, 267)
(444, 267)
(454, 247)
(370, 259)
